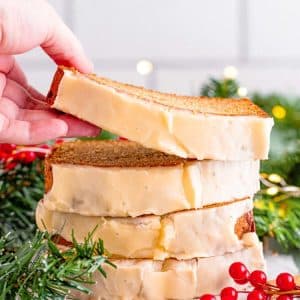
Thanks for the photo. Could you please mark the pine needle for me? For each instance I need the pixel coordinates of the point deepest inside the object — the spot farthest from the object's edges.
(39, 270)
(20, 190)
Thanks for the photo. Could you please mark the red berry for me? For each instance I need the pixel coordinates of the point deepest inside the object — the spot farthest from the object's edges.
(239, 272)
(257, 294)
(25, 156)
(19, 156)
(229, 293)
(59, 141)
(258, 278)
(207, 297)
(44, 146)
(29, 157)
(285, 282)
(122, 139)
(244, 280)
(11, 165)
(284, 297)
(42, 154)
(8, 148)
(3, 156)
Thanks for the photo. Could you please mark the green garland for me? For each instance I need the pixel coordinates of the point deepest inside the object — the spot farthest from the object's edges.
(277, 211)
(31, 265)
(20, 190)
(220, 88)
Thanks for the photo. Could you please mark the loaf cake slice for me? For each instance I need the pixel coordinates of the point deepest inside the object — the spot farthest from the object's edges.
(121, 178)
(183, 235)
(172, 279)
(194, 127)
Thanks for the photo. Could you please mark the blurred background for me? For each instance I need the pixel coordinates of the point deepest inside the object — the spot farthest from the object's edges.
(175, 45)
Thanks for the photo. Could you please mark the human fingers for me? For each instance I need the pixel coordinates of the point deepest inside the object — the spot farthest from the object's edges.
(30, 132)
(78, 127)
(27, 24)
(8, 108)
(10, 67)
(24, 97)
(36, 114)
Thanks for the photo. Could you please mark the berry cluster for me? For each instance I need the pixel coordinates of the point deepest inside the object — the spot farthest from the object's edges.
(11, 155)
(284, 289)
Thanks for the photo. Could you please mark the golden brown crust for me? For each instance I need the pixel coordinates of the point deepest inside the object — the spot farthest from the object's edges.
(107, 154)
(48, 175)
(205, 105)
(54, 85)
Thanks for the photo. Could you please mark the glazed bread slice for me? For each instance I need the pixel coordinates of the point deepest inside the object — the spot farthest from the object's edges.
(121, 178)
(194, 127)
(172, 279)
(182, 235)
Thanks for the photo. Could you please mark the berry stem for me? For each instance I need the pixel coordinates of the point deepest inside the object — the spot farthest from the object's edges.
(272, 286)
(293, 292)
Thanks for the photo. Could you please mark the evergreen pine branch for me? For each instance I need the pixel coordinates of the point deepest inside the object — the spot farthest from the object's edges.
(286, 130)
(226, 88)
(287, 166)
(280, 220)
(277, 211)
(20, 190)
(39, 270)
(291, 105)
(104, 135)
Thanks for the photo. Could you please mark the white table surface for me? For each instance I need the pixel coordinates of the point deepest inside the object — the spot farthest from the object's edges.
(279, 261)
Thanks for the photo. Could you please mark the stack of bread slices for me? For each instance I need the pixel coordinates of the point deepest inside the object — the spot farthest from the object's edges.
(173, 205)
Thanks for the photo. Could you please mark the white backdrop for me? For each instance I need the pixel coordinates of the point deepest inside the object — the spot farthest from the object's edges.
(186, 40)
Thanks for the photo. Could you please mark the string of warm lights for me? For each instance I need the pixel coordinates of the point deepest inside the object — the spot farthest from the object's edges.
(231, 73)
(279, 112)
(275, 185)
(144, 67)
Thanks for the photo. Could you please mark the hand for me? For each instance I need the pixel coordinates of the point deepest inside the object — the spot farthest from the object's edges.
(24, 25)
